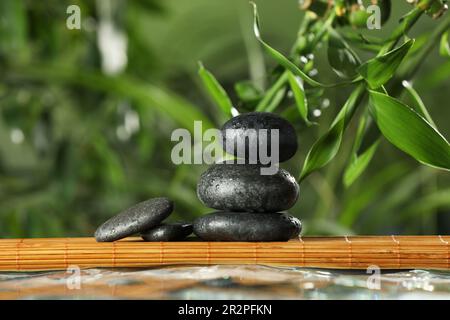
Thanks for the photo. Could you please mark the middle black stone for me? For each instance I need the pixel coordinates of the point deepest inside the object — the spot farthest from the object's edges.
(242, 187)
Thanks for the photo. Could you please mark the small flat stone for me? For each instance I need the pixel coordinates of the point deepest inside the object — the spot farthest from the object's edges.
(140, 217)
(244, 226)
(236, 130)
(168, 232)
(242, 187)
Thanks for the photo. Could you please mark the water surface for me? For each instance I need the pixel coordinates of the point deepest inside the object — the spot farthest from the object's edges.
(224, 282)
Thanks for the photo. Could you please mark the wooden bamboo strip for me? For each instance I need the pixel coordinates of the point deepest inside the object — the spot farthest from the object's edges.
(292, 253)
(306, 249)
(330, 252)
(6, 255)
(237, 258)
(328, 240)
(118, 253)
(215, 246)
(257, 261)
(358, 266)
(249, 248)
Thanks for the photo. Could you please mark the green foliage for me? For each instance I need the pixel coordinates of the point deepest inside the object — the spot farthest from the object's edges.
(408, 131)
(273, 95)
(326, 148)
(359, 164)
(360, 159)
(216, 91)
(342, 58)
(418, 103)
(379, 70)
(78, 144)
(282, 60)
(444, 48)
(300, 96)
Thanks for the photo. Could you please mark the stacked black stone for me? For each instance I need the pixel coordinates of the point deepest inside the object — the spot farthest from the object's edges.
(249, 201)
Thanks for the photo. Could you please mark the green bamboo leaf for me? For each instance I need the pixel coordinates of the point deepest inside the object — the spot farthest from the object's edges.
(420, 106)
(379, 70)
(341, 57)
(362, 153)
(282, 60)
(409, 131)
(216, 91)
(248, 95)
(359, 164)
(360, 132)
(323, 150)
(270, 94)
(247, 92)
(299, 96)
(326, 148)
(277, 98)
(444, 48)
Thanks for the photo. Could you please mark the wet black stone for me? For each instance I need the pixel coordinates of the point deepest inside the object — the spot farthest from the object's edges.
(244, 226)
(233, 133)
(241, 187)
(138, 218)
(168, 232)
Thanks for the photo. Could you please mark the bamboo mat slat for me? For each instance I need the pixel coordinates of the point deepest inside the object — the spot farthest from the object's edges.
(359, 252)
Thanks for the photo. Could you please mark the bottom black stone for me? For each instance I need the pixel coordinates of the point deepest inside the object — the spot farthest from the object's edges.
(168, 232)
(246, 226)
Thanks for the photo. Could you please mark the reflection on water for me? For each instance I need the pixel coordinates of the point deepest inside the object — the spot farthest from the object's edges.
(225, 282)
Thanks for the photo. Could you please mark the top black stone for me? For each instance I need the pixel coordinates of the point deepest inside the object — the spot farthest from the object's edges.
(236, 133)
(138, 218)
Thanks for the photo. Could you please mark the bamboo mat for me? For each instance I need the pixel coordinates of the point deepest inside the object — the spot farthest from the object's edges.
(359, 252)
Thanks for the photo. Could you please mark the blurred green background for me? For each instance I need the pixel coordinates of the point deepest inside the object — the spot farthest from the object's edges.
(86, 116)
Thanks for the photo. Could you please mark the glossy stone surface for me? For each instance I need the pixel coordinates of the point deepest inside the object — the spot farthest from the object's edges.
(243, 226)
(241, 187)
(234, 133)
(168, 232)
(135, 219)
